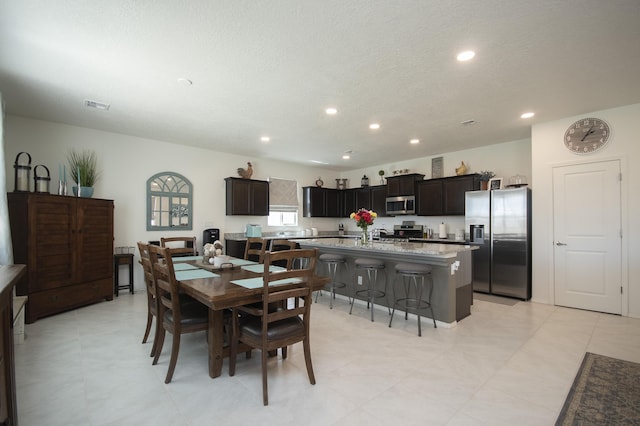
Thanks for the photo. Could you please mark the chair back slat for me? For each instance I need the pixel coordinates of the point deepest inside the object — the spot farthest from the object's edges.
(255, 249)
(180, 246)
(166, 283)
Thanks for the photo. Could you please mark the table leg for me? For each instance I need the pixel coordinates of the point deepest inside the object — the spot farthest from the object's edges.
(215, 339)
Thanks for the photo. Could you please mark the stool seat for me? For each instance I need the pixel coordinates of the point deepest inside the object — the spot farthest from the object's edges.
(370, 263)
(332, 261)
(371, 266)
(413, 294)
(413, 268)
(330, 257)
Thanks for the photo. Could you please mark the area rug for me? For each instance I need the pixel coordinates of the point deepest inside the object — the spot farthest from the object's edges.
(606, 391)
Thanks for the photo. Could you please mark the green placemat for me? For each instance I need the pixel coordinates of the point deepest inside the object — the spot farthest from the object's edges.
(184, 266)
(258, 268)
(257, 282)
(241, 262)
(192, 274)
(178, 259)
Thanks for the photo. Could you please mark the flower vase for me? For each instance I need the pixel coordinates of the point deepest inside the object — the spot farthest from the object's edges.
(364, 239)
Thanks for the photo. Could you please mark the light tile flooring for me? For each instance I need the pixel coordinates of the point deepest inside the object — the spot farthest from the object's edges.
(503, 365)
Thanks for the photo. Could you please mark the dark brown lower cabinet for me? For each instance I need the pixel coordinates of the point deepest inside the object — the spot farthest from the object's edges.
(67, 245)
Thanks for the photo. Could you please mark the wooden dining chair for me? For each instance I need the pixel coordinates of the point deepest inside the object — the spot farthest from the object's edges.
(180, 246)
(279, 245)
(255, 249)
(180, 314)
(267, 329)
(152, 300)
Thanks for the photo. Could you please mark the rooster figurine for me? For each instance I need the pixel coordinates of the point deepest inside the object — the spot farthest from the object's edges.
(461, 170)
(246, 173)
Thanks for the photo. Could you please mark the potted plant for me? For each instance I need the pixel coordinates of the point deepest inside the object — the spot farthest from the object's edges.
(84, 171)
(485, 175)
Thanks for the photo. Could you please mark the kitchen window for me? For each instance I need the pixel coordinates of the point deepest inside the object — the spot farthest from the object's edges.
(283, 202)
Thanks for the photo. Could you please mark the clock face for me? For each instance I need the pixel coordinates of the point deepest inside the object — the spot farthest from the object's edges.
(587, 135)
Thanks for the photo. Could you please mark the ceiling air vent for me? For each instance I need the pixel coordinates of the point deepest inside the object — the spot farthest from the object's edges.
(97, 105)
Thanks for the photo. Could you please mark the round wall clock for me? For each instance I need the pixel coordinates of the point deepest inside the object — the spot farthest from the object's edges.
(587, 135)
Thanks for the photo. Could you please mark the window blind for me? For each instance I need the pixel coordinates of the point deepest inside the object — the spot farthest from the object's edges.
(283, 194)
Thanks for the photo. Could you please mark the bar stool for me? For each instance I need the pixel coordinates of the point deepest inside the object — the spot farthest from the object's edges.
(371, 266)
(410, 273)
(333, 261)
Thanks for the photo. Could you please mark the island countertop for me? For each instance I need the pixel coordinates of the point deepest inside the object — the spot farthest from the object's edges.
(442, 251)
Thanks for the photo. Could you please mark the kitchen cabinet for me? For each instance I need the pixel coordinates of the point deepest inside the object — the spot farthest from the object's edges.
(445, 196)
(354, 199)
(247, 197)
(327, 202)
(379, 199)
(67, 245)
(320, 202)
(403, 185)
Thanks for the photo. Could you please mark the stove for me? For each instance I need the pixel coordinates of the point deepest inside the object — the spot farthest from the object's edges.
(408, 230)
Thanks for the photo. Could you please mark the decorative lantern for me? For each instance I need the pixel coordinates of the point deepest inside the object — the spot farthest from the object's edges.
(22, 174)
(364, 181)
(41, 183)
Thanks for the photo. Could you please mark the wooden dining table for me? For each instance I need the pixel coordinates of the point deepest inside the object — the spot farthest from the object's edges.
(220, 293)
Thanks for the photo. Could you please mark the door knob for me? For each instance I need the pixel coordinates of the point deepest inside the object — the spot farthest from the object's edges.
(558, 243)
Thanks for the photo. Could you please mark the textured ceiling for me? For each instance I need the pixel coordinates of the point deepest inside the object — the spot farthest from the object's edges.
(272, 67)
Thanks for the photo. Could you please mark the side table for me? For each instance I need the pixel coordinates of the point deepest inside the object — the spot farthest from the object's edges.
(122, 259)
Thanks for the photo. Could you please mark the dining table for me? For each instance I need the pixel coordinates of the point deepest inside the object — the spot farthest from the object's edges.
(236, 282)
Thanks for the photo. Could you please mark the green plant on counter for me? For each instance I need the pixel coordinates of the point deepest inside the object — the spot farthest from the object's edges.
(485, 175)
(86, 164)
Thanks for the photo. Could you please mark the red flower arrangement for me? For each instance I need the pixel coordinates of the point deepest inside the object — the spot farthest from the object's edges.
(364, 218)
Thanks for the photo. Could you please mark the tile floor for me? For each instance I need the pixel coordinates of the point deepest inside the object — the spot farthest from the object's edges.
(503, 365)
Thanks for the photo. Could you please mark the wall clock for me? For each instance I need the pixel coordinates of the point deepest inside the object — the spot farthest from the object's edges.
(587, 135)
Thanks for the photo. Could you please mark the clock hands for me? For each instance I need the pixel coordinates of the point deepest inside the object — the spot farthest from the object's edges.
(588, 133)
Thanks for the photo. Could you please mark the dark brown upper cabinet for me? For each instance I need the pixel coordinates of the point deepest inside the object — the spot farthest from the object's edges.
(247, 197)
(445, 196)
(403, 185)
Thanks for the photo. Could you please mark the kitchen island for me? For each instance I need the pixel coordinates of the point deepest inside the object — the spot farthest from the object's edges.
(452, 292)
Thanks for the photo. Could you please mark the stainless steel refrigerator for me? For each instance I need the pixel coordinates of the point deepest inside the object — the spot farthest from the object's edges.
(499, 223)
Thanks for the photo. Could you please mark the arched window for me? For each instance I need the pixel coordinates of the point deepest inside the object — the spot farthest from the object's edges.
(169, 202)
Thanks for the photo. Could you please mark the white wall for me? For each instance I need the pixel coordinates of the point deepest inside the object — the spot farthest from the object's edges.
(547, 151)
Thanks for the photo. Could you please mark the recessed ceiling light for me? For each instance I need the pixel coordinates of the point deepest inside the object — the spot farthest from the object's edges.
(265, 139)
(528, 115)
(97, 105)
(414, 141)
(347, 154)
(184, 82)
(468, 123)
(331, 111)
(374, 126)
(466, 55)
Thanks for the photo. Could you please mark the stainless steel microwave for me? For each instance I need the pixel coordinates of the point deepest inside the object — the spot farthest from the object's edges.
(405, 204)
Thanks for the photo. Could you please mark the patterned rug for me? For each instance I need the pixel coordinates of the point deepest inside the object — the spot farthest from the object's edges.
(606, 391)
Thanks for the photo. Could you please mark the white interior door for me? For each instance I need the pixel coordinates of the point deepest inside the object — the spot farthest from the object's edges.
(587, 236)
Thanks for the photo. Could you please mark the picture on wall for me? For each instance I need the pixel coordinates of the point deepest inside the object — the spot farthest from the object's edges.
(495, 183)
(436, 167)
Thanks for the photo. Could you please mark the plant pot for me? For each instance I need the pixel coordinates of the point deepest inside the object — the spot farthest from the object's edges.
(85, 191)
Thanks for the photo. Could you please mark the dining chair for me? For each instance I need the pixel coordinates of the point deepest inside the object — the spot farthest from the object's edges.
(180, 314)
(279, 245)
(267, 329)
(152, 300)
(255, 249)
(180, 246)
